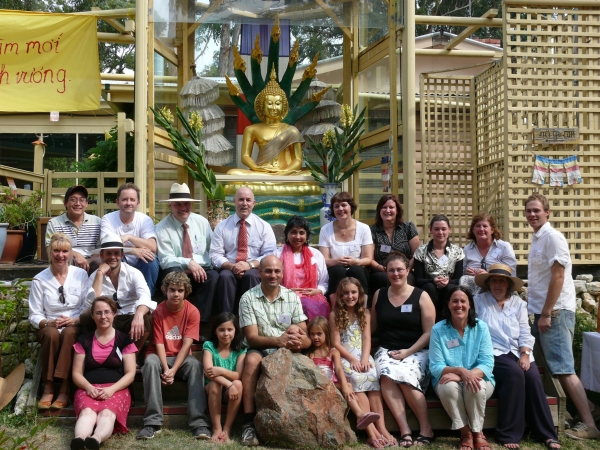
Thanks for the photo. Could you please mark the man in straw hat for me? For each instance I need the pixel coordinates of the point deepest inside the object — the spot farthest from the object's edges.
(127, 286)
(551, 299)
(240, 242)
(136, 231)
(184, 239)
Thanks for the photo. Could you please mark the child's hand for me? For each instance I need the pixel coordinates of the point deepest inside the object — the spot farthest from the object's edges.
(167, 377)
(356, 365)
(348, 393)
(213, 371)
(366, 365)
(233, 392)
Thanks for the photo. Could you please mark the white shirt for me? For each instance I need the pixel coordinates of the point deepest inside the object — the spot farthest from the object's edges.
(141, 226)
(261, 240)
(509, 328)
(43, 296)
(319, 260)
(548, 245)
(500, 252)
(132, 291)
(362, 236)
(169, 232)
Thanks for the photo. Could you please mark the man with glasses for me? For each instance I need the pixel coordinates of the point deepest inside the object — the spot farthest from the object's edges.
(83, 229)
(126, 286)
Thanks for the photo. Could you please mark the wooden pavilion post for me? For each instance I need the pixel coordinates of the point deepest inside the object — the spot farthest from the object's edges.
(141, 100)
(409, 114)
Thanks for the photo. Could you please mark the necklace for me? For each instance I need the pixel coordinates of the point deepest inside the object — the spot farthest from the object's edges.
(343, 230)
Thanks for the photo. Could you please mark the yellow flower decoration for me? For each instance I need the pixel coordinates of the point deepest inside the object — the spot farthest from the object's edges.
(196, 121)
(167, 113)
(329, 139)
(347, 118)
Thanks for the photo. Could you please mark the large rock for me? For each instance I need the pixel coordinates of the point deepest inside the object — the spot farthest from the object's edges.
(299, 407)
(586, 278)
(593, 287)
(579, 286)
(588, 302)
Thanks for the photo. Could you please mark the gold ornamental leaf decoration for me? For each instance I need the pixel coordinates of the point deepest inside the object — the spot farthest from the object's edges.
(318, 96)
(233, 89)
(311, 70)
(294, 54)
(238, 61)
(257, 52)
(276, 30)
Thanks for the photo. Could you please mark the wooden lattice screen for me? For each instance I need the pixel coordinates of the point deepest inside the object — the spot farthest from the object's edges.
(448, 163)
(552, 71)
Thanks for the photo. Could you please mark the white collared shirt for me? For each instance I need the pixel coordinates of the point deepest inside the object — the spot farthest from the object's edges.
(548, 245)
(500, 252)
(44, 303)
(141, 226)
(224, 248)
(169, 232)
(132, 291)
(509, 328)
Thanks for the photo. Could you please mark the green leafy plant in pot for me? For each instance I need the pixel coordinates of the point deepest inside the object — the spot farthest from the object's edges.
(192, 151)
(21, 213)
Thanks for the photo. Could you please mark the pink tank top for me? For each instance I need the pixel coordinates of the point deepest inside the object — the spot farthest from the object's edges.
(326, 365)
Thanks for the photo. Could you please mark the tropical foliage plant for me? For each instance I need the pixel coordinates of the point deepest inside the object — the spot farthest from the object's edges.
(20, 211)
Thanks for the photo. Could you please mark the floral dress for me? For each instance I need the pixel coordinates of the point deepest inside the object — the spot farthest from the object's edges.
(351, 339)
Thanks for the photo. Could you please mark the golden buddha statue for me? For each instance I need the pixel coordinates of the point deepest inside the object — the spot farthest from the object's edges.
(279, 144)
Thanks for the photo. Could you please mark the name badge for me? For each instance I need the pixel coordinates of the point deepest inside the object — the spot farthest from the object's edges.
(443, 260)
(119, 354)
(452, 343)
(494, 253)
(74, 291)
(284, 319)
(127, 227)
(385, 248)
(406, 308)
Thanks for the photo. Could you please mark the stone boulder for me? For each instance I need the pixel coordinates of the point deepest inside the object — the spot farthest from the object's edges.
(588, 302)
(586, 278)
(299, 407)
(579, 286)
(593, 287)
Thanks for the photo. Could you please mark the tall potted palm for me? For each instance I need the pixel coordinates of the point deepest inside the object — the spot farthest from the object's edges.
(336, 152)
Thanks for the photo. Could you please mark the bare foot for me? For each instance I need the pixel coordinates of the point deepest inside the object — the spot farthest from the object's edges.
(224, 436)
(216, 434)
(551, 443)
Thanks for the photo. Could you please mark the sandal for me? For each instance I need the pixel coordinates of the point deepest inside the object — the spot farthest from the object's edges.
(375, 443)
(424, 440)
(367, 419)
(551, 442)
(391, 442)
(481, 441)
(466, 441)
(404, 442)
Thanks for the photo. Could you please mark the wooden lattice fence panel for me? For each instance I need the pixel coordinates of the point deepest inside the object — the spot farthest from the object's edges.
(552, 70)
(447, 157)
(490, 138)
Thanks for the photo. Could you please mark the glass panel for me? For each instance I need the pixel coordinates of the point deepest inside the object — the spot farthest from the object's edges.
(399, 85)
(372, 21)
(87, 142)
(16, 150)
(374, 94)
(371, 187)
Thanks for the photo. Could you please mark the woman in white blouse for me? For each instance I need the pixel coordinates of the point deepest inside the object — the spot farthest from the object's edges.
(518, 382)
(304, 268)
(346, 244)
(56, 300)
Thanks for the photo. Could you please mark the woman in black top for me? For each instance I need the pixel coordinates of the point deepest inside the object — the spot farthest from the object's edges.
(103, 368)
(391, 234)
(404, 316)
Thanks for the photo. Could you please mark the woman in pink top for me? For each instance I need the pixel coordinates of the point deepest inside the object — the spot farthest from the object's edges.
(103, 368)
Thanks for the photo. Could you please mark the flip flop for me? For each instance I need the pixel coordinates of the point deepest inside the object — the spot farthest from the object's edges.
(403, 440)
(367, 419)
(424, 440)
(375, 443)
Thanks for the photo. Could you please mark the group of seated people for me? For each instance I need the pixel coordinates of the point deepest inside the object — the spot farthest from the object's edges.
(429, 325)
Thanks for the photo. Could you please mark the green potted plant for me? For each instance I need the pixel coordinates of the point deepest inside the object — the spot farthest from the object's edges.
(21, 213)
(336, 152)
(192, 151)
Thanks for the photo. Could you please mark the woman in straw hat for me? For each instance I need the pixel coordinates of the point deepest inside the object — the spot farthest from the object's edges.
(56, 300)
(514, 368)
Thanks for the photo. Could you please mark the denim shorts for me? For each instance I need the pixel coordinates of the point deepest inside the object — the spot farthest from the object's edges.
(557, 342)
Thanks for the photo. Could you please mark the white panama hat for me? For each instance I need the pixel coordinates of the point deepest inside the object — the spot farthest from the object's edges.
(111, 241)
(180, 193)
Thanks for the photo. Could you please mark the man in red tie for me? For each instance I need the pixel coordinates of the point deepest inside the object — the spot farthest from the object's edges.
(238, 245)
(184, 239)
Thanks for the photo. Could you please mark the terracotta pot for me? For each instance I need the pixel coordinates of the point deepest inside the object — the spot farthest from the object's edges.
(14, 242)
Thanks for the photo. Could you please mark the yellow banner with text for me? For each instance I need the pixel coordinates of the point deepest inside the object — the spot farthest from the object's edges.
(48, 62)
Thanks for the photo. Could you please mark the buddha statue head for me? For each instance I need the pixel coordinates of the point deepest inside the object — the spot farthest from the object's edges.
(271, 103)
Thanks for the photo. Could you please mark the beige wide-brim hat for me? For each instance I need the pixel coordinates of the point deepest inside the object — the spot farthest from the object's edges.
(498, 270)
(111, 241)
(180, 193)
(10, 385)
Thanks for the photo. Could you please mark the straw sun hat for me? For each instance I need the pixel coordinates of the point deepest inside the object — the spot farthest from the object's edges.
(498, 270)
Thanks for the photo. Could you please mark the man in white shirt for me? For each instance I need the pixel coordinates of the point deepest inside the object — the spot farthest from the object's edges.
(82, 228)
(126, 286)
(238, 245)
(183, 242)
(551, 298)
(136, 231)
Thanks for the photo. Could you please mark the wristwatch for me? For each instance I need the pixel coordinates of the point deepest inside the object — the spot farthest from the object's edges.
(526, 352)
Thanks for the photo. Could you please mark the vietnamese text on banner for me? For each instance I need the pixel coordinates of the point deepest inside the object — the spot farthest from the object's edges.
(48, 62)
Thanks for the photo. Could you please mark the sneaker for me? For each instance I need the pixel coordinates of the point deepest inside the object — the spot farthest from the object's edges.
(249, 437)
(148, 432)
(582, 431)
(202, 433)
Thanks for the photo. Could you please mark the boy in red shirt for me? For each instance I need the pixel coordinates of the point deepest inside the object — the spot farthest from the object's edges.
(176, 323)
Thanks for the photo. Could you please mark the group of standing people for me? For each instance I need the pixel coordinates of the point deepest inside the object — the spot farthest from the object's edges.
(430, 328)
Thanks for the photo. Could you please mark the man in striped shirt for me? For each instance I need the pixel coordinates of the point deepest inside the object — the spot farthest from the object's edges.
(83, 229)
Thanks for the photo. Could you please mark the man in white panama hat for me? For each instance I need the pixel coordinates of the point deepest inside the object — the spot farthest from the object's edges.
(126, 285)
(184, 239)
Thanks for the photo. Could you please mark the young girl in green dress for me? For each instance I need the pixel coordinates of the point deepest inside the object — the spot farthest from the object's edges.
(223, 360)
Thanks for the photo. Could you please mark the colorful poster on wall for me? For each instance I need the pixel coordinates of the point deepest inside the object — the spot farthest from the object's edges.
(48, 62)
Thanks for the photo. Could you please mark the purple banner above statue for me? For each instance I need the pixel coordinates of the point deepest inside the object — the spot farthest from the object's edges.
(249, 31)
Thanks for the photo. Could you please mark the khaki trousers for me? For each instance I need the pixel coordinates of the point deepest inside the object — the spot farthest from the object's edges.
(463, 406)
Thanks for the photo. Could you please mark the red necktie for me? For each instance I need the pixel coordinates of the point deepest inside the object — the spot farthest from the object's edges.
(186, 249)
(242, 254)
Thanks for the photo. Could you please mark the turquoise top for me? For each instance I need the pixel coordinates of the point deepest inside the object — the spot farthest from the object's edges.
(228, 363)
(473, 350)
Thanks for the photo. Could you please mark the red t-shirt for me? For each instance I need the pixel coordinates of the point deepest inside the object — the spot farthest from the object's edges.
(169, 328)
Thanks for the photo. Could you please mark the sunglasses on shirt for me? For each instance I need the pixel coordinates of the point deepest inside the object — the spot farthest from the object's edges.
(116, 300)
(61, 297)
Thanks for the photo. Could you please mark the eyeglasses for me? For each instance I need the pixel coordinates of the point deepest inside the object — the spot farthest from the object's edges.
(116, 300)
(483, 264)
(79, 200)
(398, 271)
(61, 297)
(103, 313)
